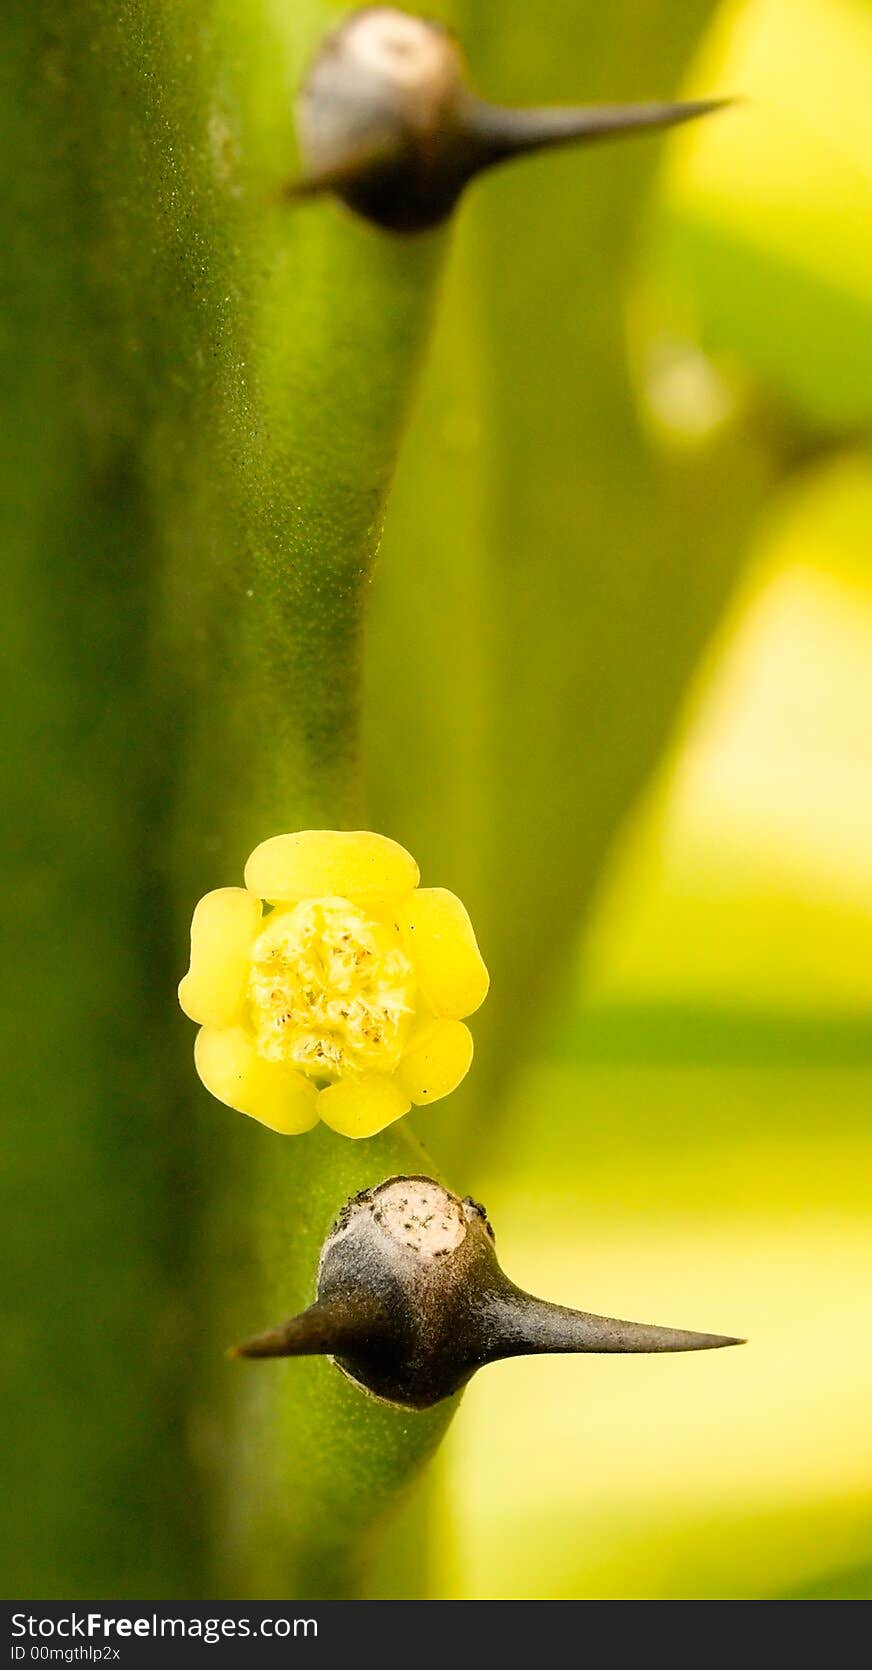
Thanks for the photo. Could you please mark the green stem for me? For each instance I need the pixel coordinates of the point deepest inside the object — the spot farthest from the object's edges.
(205, 393)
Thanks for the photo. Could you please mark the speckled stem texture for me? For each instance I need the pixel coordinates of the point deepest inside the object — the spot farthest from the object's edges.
(203, 391)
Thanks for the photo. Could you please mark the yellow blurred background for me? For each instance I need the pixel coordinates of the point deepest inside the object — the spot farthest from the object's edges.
(693, 1144)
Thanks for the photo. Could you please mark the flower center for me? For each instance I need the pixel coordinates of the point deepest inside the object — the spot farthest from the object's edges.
(330, 991)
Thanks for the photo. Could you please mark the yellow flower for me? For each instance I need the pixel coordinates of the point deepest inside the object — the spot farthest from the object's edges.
(343, 999)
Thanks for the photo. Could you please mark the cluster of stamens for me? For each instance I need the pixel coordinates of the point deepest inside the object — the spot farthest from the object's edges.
(331, 990)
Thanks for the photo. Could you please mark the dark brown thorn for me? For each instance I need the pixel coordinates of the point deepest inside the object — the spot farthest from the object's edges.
(388, 124)
(527, 1326)
(325, 1329)
(500, 133)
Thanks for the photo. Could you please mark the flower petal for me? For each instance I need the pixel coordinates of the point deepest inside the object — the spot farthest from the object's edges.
(271, 1091)
(438, 1057)
(440, 940)
(337, 863)
(224, 926)
(360, 1107)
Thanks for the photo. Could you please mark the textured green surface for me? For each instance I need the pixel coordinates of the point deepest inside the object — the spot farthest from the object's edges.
(203, 392)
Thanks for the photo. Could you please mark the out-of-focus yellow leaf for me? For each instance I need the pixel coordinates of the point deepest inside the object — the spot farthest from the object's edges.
(710, 1166)
(763, 250)
(733, 1474)
(750, 879)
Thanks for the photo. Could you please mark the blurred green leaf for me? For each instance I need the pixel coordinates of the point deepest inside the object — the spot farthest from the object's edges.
(547, 582)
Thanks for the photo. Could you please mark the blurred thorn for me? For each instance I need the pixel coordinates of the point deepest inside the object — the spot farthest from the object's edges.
(388, 124)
